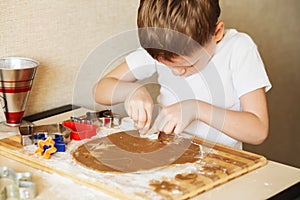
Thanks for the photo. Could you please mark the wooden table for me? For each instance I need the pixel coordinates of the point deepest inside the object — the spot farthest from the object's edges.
(261, 183)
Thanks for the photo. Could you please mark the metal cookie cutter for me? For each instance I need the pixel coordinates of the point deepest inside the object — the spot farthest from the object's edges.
(16, 185)
(91, 117)
(106, 117)
(80, 120)
(31, 134)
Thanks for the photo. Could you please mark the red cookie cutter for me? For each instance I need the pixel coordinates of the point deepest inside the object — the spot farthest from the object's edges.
(81, 131)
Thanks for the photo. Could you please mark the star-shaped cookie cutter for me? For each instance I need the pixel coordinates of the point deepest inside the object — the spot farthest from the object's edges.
(46, 148)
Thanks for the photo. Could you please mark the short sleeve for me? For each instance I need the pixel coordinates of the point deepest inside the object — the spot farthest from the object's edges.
(248, 71)
(141, 64)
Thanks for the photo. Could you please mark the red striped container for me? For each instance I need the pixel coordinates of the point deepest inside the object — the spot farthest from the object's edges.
(16, 79)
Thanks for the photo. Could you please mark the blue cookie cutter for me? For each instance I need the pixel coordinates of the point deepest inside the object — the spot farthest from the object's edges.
(31, 134)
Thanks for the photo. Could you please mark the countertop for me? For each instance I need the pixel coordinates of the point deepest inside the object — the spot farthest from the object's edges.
(261, 183)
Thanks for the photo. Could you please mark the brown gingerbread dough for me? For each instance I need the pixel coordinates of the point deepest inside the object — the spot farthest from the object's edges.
(127, 152)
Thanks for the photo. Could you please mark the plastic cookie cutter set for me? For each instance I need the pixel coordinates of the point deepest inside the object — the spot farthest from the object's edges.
(16, 185)
(32, 134)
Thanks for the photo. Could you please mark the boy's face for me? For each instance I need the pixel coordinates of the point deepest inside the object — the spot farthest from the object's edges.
(186, 66)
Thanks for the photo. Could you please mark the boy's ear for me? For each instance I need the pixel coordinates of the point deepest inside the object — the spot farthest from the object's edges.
(219, 31)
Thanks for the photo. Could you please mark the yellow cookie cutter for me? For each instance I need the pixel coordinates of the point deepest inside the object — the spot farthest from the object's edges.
(46, 153)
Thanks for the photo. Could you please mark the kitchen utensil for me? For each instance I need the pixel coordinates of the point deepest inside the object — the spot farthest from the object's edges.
(31, 134)
(81, 131)
(16, 79)
(153, 132)
(16, 185)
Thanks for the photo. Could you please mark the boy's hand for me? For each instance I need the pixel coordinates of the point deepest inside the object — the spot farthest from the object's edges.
(176, 117)
(139, 106)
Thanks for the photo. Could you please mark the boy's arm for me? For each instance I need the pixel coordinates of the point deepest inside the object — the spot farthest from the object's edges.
(249, 125)
(106, 91)
(120, 86)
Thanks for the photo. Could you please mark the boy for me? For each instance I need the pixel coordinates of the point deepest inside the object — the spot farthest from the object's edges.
(185, 44)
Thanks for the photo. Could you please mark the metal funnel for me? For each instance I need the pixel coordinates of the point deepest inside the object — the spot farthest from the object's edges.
(16, 78)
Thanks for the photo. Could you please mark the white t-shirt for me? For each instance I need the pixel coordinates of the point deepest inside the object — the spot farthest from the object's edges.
(235, 69)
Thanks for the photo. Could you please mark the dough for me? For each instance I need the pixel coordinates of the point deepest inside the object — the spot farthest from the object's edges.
(127, 152)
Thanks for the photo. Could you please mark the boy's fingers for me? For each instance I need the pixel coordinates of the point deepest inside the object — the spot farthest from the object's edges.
(134, 115)
(149, 116)
(141, 118)
(155, 123)
(128, 110)
(169, 127)
(159, 122)
(178, 129)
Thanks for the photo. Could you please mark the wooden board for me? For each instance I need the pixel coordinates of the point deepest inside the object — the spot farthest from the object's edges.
(220, 165)
(12, 148)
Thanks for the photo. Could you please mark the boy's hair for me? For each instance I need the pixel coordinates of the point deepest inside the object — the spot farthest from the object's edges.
(196, 19)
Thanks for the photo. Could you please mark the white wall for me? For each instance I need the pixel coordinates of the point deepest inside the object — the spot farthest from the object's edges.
(60, 35)
(274, 25)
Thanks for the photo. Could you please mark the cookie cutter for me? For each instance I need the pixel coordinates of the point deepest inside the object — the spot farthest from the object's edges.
(31, 134)
(16, 185)
(106, 118)
(91, 117)
(46, 147)
(81, 120)
(80, 131)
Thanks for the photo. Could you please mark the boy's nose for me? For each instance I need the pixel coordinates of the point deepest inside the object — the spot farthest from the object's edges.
(178, 71)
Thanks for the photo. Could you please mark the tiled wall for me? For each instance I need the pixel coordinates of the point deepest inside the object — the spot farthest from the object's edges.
(61, 34)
